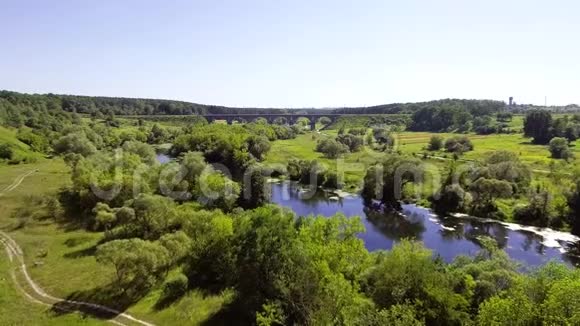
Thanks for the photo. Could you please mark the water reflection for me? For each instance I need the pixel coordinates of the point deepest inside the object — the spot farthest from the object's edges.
(163, 158)
(447, 237)
(396, 226)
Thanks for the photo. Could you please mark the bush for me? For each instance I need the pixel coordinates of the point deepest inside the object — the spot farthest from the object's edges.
(436, 143)
(459, 144)
(6, 152)
(332, 181)
(353, 142)
(452, 198)
(559, 148)
(331, 148)
(74, 143)
(176, 287)
(383, 137)
(357, 131)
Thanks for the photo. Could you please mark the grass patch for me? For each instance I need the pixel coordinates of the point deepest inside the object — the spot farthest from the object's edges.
(303, 147)
(15, 309)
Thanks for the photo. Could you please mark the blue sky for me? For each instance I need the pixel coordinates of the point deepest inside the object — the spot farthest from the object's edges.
(294, 53)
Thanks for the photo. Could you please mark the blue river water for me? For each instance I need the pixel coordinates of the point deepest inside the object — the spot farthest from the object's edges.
(446, 237)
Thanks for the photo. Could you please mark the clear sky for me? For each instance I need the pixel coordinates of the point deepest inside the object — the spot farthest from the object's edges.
(294, 53)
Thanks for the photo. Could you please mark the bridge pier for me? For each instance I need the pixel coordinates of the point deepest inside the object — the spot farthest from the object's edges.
(312, 123)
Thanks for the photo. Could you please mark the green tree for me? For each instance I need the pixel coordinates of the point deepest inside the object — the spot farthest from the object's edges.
(505, 165)
(572, 132)
(255, 189)
(157, 135)
(331, 148)
(515, 309)
(332, 180)
(573, 199)
(280, 121)
(386, 180)
(354, 143)
(408, 274)
(485, 191)
(325, 121)
(383, 137)
(217, 191)
(435, 143)
(562, 306)
(458, 144)
(6, 152)
(537, 124)
(539, 209)
(154, 215)
(559, 148)
(342, 130)
(258, 146)
(398, 315)
(452, 198)
(105, 216)
(74, 143)
(144, 151)
(178, 245)
(137, 262)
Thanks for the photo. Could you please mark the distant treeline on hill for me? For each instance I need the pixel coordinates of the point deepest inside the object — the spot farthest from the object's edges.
(131, 106)
(136, 106)
(474, 107)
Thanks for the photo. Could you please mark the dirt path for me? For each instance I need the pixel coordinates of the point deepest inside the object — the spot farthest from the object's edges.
(16, 257)
(16, 182)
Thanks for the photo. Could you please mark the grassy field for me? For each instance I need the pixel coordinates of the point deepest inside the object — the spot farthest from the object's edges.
(16, 309)
(61, 260)
(536, 156)
(303, 147)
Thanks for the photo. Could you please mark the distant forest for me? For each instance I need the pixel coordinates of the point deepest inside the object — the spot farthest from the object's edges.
(459, 110)
(136, 106)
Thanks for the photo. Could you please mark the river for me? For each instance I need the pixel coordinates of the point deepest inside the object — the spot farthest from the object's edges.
(446, 237)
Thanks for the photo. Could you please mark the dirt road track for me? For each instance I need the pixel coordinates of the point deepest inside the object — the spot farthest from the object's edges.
(39, 296)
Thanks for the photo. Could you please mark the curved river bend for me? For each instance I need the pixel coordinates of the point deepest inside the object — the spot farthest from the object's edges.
(447, 237)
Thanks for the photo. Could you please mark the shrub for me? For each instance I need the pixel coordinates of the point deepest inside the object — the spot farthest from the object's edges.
(74, 143)
(332, 181)
(176, 287)
(452, 198)
(436, 143)
(353, 142)
(6, 152)
(357, 131)
(559, 148)
(459, 144)
(331, 148)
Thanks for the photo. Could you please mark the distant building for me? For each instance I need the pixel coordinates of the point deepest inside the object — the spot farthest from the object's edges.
(511, 101)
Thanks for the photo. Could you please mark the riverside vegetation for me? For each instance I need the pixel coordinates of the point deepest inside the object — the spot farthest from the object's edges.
(195, 241)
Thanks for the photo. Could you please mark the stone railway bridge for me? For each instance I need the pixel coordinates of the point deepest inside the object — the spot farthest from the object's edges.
(270, 117)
